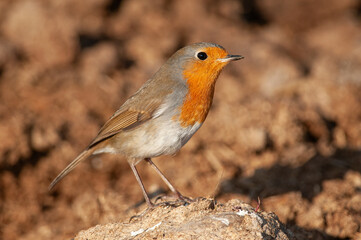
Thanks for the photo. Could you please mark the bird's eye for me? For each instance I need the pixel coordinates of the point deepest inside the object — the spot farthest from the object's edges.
(202, 56)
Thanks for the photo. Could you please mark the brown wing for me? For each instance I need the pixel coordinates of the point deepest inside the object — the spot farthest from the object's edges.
(138, 109)
(124, 120)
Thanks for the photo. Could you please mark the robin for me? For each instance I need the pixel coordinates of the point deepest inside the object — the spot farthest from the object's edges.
(164, 113)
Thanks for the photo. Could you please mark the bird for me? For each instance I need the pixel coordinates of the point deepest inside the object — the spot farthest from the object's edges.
(163, 114)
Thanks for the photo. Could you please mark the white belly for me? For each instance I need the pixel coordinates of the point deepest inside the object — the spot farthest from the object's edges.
(151, 139)
(168, 139)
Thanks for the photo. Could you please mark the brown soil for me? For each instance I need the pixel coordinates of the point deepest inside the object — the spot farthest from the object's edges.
(285, 124)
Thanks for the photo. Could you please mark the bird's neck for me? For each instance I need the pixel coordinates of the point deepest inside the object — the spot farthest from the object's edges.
(199, 98)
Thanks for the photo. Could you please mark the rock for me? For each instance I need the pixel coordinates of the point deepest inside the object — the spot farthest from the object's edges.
(202, 220)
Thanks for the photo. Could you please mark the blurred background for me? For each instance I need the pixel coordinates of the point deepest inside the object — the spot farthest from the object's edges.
(285, 124)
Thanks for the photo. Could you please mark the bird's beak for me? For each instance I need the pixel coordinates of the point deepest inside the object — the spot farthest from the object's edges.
(229, 58)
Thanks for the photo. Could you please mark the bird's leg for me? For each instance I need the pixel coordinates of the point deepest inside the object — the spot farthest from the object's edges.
(145, 194)
(171, 187)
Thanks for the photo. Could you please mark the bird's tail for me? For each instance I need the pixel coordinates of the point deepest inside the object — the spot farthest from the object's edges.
(84, 155)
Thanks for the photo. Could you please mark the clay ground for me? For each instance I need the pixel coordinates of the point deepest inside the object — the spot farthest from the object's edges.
(285, 125)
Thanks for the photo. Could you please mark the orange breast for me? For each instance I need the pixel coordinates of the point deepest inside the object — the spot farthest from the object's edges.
(201, 77)
(197, 103)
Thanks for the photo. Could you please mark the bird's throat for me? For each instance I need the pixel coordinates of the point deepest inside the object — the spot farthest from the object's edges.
(199, 97)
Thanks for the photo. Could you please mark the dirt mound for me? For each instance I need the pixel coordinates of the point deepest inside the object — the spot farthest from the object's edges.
(203, 219)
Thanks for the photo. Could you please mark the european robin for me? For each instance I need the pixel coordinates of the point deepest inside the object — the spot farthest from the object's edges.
(164, 113)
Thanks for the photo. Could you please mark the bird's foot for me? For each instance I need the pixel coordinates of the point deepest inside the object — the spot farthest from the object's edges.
(176, 198)
(174, 201)
(139, 216)
(152, 206)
